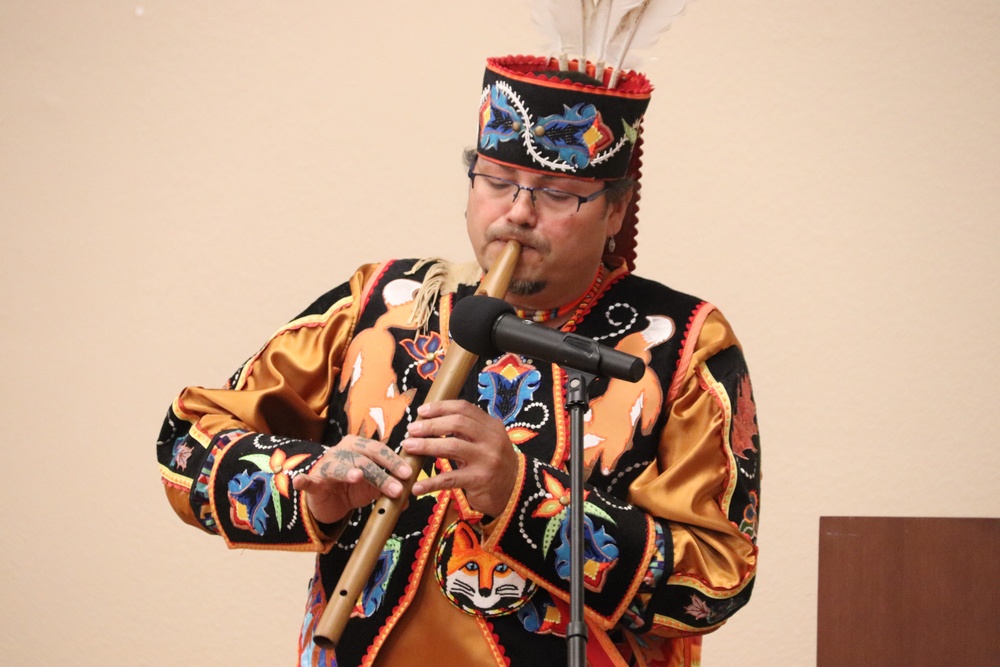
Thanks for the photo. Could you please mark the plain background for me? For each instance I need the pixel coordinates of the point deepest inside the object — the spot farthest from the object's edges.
(177, 179)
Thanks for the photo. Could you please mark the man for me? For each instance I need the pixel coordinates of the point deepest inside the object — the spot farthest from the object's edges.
(306, 434)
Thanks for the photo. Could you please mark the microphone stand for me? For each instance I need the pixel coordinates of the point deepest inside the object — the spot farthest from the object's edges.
(577, 404)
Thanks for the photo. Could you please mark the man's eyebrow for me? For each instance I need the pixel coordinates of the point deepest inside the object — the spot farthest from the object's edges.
(510, 174)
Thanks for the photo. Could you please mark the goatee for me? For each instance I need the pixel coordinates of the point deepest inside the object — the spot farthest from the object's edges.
(526, 287)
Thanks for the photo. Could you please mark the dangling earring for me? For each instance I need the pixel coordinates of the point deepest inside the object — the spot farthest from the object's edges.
(611, 244)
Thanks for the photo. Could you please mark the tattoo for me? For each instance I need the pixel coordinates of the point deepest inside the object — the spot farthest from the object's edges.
(340, 472)
(344, 456)
(375, 475)
(346, 461)
(383, 451)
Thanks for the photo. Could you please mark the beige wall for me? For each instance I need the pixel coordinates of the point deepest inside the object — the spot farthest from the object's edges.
(179, 178)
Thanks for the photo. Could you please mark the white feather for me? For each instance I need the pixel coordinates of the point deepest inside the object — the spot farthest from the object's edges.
(603, 31)
(605, 25)
(561, 23)
(641, 28)
(596, 15)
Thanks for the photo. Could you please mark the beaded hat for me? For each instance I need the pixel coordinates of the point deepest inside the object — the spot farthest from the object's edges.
(531, 116)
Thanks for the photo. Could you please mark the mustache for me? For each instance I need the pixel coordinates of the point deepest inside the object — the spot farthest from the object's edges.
(531, 239)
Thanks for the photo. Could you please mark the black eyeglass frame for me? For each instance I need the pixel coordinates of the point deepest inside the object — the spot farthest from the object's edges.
(580, 199)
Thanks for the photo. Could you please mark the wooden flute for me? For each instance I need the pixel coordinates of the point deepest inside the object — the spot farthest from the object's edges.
(447, 385)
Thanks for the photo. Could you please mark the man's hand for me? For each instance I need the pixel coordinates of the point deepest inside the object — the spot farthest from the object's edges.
(484, 459)
(353, 473)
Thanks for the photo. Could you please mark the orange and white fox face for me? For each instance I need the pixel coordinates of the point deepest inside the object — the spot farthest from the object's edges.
(478, 580)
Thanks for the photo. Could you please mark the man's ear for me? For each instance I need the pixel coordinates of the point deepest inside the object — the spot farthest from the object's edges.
(616, 212)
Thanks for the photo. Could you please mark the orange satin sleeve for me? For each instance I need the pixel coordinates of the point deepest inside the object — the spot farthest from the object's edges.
(284, 389)
(691, 482)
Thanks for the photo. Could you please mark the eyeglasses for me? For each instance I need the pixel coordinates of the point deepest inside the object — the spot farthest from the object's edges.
(545, 200)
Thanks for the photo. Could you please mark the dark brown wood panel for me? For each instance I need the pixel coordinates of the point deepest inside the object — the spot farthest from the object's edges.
(912, 592)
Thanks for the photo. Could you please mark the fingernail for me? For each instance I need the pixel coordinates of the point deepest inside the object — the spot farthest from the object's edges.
(405, 470)
(394, 487)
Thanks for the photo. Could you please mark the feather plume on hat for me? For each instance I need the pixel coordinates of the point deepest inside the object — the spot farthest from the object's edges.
(603, 32)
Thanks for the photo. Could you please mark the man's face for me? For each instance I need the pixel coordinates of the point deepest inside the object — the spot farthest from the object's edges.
(560, 252)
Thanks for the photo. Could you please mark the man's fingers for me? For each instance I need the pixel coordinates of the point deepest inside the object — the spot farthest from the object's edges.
(350, 467)
(381, 480)
(451, 407)
(383, 455)
(438, 448)
(303, 483)
(439, 482)
(455, 426)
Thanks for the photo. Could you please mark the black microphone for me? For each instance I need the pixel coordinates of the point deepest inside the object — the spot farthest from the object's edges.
(487, 326)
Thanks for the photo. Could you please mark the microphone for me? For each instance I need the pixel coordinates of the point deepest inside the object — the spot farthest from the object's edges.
(487, 326)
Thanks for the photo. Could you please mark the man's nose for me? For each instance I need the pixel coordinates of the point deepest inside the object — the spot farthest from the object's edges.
(523, 210)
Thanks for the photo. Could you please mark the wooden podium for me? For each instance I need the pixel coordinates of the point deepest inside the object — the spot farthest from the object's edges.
(909, 592)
